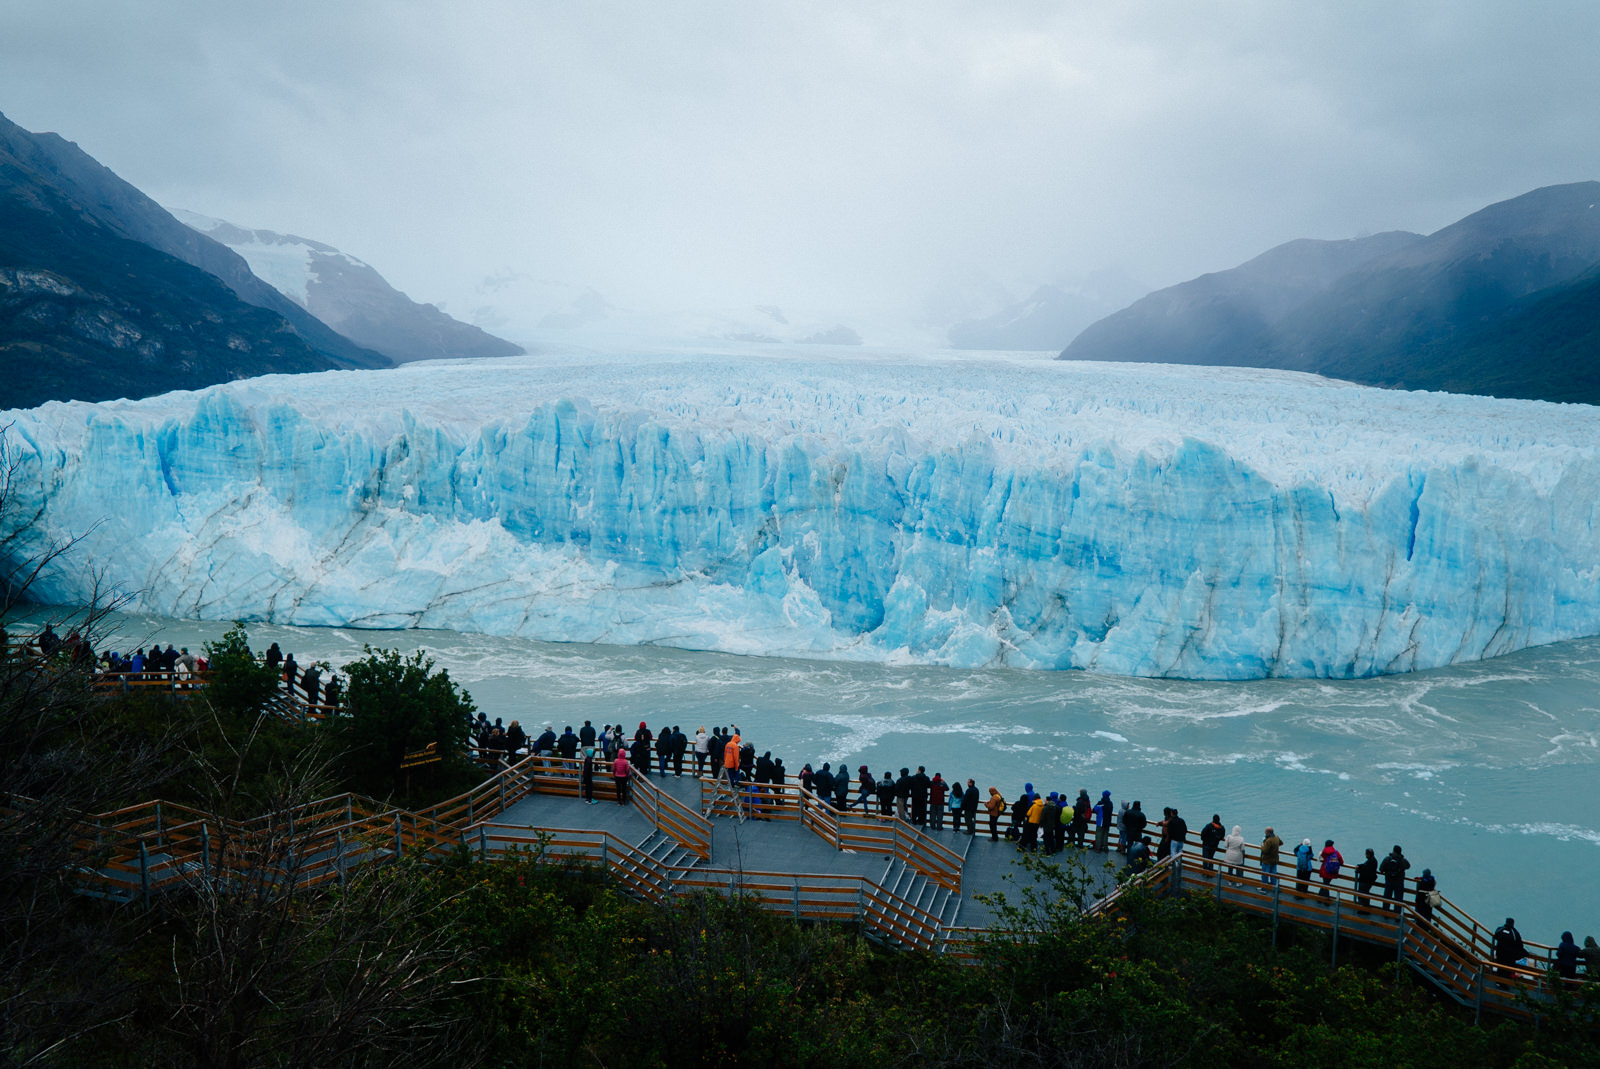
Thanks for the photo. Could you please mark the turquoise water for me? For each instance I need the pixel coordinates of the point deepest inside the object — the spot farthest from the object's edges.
(1487, 773)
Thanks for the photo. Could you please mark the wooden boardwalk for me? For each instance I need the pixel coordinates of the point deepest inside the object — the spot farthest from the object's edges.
(906, 886)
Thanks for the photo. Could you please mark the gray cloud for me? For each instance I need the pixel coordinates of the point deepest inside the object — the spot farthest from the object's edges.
(841, 154)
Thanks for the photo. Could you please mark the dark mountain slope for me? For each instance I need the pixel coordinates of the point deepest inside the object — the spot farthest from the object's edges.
(88, 314)
(1547, 348)
(1502, 302)
(1377, 321)
(1229, 317)
(126, 212)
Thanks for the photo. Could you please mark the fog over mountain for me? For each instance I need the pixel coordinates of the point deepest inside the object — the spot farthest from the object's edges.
(837, 158)
(350, 296)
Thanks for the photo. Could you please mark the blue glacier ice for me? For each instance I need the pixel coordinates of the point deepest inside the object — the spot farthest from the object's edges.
(1143, 520)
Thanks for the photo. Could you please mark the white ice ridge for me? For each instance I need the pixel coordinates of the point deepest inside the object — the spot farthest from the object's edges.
(1133, 519)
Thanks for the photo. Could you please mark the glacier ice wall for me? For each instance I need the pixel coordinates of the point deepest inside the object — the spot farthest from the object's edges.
(1194, 522)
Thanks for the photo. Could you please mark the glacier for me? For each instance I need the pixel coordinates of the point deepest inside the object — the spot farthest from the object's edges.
(972, 510)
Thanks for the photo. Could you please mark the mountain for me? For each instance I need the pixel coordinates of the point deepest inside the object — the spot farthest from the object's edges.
(1229, 317)
(1547, 348)
(88, 313)
(1049, 318)
(1500, 302)
(350, 296)
(1384, 323)
(124, 211)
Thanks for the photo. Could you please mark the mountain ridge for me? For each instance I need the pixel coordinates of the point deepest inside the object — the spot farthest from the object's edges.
(127, 212)
(350, 295)
(1432, 312)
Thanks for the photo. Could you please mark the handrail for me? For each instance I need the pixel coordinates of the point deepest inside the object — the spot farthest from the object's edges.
(1447, 948)
(1451, 948)
(808, 894)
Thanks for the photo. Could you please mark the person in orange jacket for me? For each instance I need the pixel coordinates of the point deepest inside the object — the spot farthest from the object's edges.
(730, 761)
(995, 806)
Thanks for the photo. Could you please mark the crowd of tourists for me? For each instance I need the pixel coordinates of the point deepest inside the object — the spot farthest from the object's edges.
(178, 664)
(305, 681)
(1035, 821)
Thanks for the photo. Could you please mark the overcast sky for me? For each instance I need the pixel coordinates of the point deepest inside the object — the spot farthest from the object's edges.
(834, 154)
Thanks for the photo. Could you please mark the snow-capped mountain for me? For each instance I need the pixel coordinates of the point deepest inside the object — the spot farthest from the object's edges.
(349, 295)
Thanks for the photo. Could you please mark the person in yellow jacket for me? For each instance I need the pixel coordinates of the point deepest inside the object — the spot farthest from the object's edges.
(1030, 832)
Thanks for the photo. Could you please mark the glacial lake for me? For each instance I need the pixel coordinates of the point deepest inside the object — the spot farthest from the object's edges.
(1487, 773)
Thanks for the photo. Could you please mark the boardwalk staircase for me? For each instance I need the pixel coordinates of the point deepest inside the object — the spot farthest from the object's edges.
(921, 895)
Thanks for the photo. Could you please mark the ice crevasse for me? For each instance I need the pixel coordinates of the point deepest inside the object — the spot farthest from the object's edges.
(1134, 519)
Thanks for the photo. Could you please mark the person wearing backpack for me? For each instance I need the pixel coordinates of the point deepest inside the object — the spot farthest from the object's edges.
(1332, 861)
(866, 789)
(994, 805)
(1427, 895)
(1303, 858)
(1393, 867)
(1104, 810)
(1211, 837)
(1366, 876)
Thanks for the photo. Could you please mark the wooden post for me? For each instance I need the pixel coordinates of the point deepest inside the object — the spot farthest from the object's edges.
(797, 898)
(1400, 938)
(1334, 962)
(483, 842)
(502, 793)
(1477, 1000)
(158, 818)
(338, 844)
(205, 851)
(1277, 895)
(1219, 883)
(399, 842)
(144, 873)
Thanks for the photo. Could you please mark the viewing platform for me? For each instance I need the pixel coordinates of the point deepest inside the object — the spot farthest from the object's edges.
(905, 886)
(918, 888)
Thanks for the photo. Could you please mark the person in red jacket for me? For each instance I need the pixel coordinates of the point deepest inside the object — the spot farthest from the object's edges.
(1332, 861)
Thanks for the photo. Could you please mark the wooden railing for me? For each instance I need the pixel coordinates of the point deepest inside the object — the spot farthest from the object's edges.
(158, 843)
(865, 832)
(805, 896)
(562, 776)
(1450, 949)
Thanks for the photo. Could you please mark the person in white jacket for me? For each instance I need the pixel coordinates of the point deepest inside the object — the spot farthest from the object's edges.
(702, 749)
(1233, 851)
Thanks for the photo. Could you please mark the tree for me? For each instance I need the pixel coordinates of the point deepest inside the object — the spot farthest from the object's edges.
(59, 765)
(303, 942)
(396, 705)
(239, 685)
